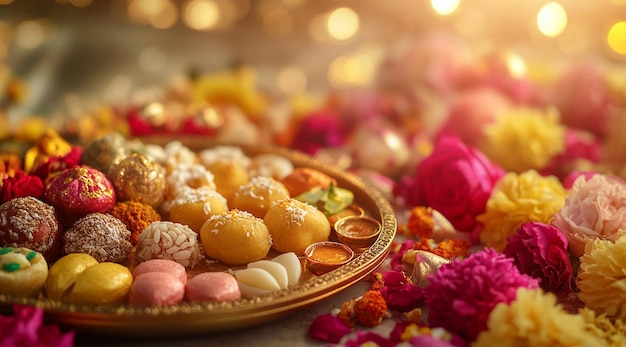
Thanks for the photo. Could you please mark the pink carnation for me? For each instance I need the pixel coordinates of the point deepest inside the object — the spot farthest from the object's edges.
(540, 251)
(25, 328)
(461, 294)
(580, 147)
(455, 180)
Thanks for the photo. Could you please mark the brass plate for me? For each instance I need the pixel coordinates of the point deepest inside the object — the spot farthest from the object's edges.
(189, 318)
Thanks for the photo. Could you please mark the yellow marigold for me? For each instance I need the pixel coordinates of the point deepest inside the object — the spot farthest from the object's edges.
(535, 319)
(524, 139)
(613, 332)
(519, 198)
(602, 277)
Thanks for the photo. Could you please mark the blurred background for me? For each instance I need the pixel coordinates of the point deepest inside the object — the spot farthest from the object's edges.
(87, 47)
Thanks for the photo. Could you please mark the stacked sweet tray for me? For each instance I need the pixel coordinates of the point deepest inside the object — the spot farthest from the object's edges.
(187, 317)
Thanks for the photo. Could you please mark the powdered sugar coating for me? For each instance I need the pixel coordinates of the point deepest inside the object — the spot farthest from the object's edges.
(100, 235)
(190, 176)
(176, 154)
(31, 223)
(225, 153)
(171, 241)
(271, 165)
(258, 195)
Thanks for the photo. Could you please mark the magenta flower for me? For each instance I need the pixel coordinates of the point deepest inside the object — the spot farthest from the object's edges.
(540, 251)
(399, 293)
(319, 130)
(461, 294)
(455, 180)
(396, 258)
(25, 328)
(363, 337)
(328, 328)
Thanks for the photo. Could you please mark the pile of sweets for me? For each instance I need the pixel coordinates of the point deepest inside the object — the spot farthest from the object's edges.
(155, 219)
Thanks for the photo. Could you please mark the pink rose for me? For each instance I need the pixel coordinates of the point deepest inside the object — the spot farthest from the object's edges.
(540, 251)
(455, 180)
(399, 293)
(595, 208)
(328, 328)
(318, 130)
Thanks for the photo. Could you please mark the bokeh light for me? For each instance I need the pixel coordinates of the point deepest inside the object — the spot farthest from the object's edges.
(201, 15)
(616, 38)
(29, 34)
(353, 70)
(292, 80)
(342, 23)
(445, 7)
(552, 19)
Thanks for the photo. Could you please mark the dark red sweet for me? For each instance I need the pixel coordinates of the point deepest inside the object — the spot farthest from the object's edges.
(31, 223)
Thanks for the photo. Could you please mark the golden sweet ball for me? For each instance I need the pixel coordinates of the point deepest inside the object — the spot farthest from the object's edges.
(235, 237)
(228, 176)
(64, 272)
(294, 225)
(106, 151)
(102, 284)
(194, 206)
(139, 178)
(258, 195)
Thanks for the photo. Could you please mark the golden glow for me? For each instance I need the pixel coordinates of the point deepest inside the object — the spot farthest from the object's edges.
(516, 65)
(352, 71)
(342, 24)
(445, 7)
(29, 34)
(291, 80)
(470, 23)
(152, 59)
(277, 22)
(617, 38)
(140, 11)
(552, 19)
(5, 2)
(317, 29)
(81, 3)
(201, 15)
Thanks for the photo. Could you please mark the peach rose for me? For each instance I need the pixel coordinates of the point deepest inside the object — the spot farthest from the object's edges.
(595, 209)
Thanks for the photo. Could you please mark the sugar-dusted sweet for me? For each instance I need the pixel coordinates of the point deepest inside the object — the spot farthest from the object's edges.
(188, 176)
(212, 286)
(161, 265)
(23, 271)
(79, 191)
(64, 272)
(139, 178)
(169, 240)
(235, 237)
(100, 235)
(258, 195)
(294, 225)
(193, 207)
(156, 289)
(228, 176)
(31, 223)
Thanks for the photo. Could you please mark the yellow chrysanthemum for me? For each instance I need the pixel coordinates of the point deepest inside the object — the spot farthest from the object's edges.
(519, 198)
(602, 277)
(535, 319)
(524, 139)
(613, 332)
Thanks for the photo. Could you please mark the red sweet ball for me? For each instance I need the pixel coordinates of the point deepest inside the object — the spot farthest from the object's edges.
(31, 223)
(79, 191)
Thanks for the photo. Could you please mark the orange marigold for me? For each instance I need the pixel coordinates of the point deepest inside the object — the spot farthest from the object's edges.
(370, 309)
(452, 248)
(420, 222)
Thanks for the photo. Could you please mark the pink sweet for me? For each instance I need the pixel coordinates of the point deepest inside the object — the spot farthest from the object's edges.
(79, 191)
(161, 265)
(212, 286)
(156, 288)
